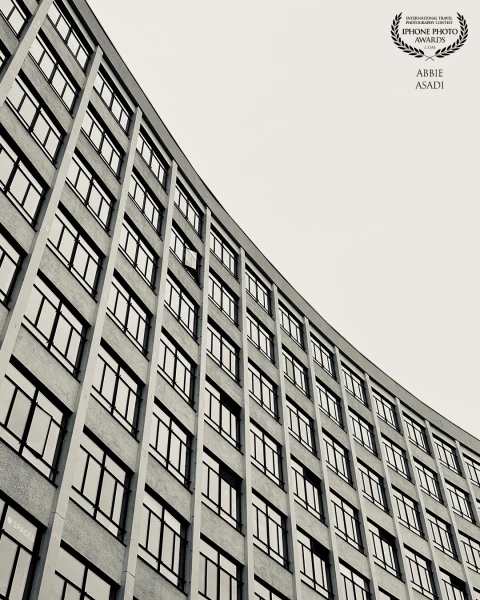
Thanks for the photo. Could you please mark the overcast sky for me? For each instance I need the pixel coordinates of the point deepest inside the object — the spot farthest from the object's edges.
(303, 119)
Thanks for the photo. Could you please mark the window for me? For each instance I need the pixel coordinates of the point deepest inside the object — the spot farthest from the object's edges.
(128, 314)
(323, 356)
(269, 530)
(407, 512)
(145, 201)
(48, 63)
(396, 458)
(63, 25)
(460, 501)
(420, 572)
(77, 253)
(222, 414)
(356, 587)
(15, 16)
(454, 587)
(17, 545)
(9, 266)
(337, 458)
(170, 444)
(441, 535)
(300, 426)
(363, 432)
(386, 410)
(295, 372)
(220, 576)
(184, 309)
(314, 566)
(258, 290)
(151, 155)
(373, 487)
(223, 251)
(447, 455)
(3, 56)
(222, 297)
(473, 468)
(428, 481)
(35, 119)
(137, 252)
(87, 187)
(74, 579)
(306, 489)
(346, 520)
(30, 421)
(221, 490)
(177, 369)
(113, 100)
(55, 326)
(222, 351)
(265, 592)
(291, 325)
(262, 390)
(260, 337)
(189, 209)
(416, 434)
(384, 549)
(187, 256)
(354, 385)
(102, 141)
(117, 390)
(472, 551)
(162, 540)
(266, 454)
(330, 404)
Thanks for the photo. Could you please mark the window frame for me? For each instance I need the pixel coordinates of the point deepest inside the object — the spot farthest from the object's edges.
(275, 449)
(330, 400)
(291, 325)
(216, 239)
(107, 139)
(224, 403)
(338, 450)
(252, 279)
(227, 483)
(299, 372)
(346, 521)
(323, 356)
(278, 524)
(373, 478)
(187, 364)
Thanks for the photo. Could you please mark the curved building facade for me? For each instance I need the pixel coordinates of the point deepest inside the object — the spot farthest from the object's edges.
(176, 421)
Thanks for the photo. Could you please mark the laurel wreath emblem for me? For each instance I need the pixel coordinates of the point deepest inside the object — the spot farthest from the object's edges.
(418, 52)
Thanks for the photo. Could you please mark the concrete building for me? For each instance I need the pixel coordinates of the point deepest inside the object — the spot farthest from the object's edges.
(175, 420)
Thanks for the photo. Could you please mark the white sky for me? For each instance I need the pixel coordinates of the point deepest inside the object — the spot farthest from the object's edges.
(308, 104)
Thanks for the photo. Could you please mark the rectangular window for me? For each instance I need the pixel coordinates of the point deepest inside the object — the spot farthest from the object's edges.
(447, 455)
(441, 535)
(354, 385)
(3, 56)
(314, 565)
(55, 326)
(300, 425)
(373, 486)
(473, 468)
(262, 390)
(30, 421)
(264, 592)
(407, 512)
(222, 351)
(386, 410)
(53, 71)
(295, 372)
(221, 490)
(416, 433)
(219, 575)
(154, 159)
(472, 551)
(170, 444)
(266, 454)
(291, 325)
(384, 549)
(176, 367)
(128, 314)
(103, 141)
(14, 15)
(138, 252)
(362, 431)
(455, 588)
(224, 252)
(269, 530)
(428, 481)
(88, 188)
(337, 458)
(347, 524)
(112, 99)
(222, 414)
(10, 260)
(419, 570)
(66, 30)
(222, 297)
(189, 209)
(163, 540)
(100, 486)
(260, 337)
(258, 290)
(187, 256)
(460, 501)
(307, 489)
(75, 251)
(117, 390)
(355, 586)
(330, 404)
(146, 202)
(396, 458)
(323, 356)
(35, 118)
(74, 579)
(183, 308)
